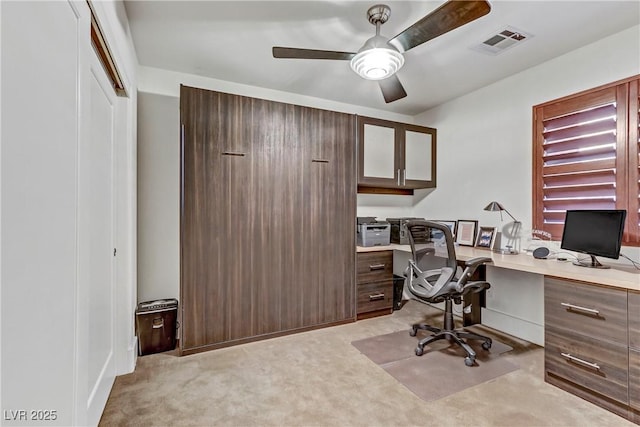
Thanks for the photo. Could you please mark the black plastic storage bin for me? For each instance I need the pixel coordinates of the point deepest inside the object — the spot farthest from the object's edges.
(156, 326)
(398, 287)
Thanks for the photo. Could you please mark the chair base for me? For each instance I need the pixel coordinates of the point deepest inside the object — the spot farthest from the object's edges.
(457, 336)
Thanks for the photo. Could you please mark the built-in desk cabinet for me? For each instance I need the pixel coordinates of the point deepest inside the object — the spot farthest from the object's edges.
(374, 281)
(590, 334)
(395, 155)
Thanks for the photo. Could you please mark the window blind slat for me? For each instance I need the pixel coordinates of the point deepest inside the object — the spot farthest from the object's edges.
(606, 126)
(581, 178)
(583, 191)
(577, 156)
(608, 138)
(597, 113)
(578, 167)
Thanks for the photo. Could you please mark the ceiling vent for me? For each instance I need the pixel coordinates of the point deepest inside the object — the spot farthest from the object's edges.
(502, 40)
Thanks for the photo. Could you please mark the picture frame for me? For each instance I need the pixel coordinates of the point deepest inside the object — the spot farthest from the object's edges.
(486, 237)
(466, 232)
(453, 225)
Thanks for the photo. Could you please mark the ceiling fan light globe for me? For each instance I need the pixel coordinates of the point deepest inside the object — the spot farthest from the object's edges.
(377, 63)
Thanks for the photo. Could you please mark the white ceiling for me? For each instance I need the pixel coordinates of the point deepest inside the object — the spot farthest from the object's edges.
(232, 40)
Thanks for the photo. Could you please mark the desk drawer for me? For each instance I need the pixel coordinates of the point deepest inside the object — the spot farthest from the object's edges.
(595, 365)
(634, 379)
(591, 310)
(375, 296)
(374, 266)
(634, 320)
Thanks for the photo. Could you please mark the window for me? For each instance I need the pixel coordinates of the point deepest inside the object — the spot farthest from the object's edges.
(586, 156)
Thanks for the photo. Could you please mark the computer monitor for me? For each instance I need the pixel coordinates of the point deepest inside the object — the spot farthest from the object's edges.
(595, 233)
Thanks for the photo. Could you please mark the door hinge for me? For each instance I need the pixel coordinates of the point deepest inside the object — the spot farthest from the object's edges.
(114, 251)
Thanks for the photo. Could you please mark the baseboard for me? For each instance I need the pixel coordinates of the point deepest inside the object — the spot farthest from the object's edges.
(511, 325)
(132, 355)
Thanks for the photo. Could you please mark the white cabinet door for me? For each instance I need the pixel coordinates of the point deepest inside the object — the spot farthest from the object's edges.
(418, 159)
(379, 152)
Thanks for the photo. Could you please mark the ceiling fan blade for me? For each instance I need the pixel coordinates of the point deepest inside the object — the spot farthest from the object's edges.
(392, 89)
(292, 52)
(449, 16)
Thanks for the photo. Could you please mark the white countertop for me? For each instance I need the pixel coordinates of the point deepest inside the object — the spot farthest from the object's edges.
(619, 276)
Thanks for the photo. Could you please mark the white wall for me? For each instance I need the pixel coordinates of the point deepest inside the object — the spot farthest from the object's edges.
(485, 153)
(159, 195)
(159, 168)
(44, 310)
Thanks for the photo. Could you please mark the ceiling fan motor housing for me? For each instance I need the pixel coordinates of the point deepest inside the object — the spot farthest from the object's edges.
(378, 14)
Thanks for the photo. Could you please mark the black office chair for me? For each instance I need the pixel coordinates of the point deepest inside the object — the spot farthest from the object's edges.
(432, 278)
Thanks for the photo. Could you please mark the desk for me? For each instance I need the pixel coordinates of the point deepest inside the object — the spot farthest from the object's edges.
(591, 325)
(617, 276)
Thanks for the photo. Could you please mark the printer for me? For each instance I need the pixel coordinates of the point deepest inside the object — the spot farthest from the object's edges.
(399, 232)
(371, 232)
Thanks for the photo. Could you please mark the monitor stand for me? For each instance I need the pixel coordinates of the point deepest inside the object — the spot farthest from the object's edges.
(593, 264)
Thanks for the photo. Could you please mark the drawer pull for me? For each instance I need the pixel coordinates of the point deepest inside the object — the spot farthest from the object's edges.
(232, 153)
(580, 361)
(376, 297)
(376, 267)
(577, 307)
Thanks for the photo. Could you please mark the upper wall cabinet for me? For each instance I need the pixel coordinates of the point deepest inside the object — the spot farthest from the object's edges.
(395, 156)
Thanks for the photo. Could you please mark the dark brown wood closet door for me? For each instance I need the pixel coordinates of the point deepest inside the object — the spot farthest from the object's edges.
(267, 217)
(217, 170)
(329, 216)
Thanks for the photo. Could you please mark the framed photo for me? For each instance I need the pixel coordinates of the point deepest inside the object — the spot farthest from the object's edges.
(451, 224)
(486, 237)
(466, 232)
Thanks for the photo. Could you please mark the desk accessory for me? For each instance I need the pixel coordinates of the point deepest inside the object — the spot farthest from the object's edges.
(513, 233)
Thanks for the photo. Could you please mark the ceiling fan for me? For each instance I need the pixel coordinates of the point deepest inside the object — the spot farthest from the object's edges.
(380, 58)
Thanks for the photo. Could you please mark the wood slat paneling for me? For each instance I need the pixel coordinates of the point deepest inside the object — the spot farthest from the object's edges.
(267, 233)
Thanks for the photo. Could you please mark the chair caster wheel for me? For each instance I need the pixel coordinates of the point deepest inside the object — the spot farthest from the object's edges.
(486, 345)
(413, 332)
(419, 351)
(469, 361)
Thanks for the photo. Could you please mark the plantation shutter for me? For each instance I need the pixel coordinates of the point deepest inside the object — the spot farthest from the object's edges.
(578, 145)
(586, 155)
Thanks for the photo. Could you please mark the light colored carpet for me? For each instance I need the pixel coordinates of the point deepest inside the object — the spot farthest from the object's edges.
(318, 378)
(441, 370)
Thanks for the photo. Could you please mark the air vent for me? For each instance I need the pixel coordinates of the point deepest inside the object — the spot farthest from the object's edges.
(502, 40)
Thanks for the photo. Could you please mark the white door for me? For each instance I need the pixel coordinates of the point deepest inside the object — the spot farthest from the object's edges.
(97, 248)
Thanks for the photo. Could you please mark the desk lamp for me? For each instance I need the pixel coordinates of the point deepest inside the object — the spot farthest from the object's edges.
(515, 228)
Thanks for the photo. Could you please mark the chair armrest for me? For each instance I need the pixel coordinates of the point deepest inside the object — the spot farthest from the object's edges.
(475, 287)
(476, 262)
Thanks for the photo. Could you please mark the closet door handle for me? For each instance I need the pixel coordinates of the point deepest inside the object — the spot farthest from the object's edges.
(404, 177)
(398, 177)
(232, 153)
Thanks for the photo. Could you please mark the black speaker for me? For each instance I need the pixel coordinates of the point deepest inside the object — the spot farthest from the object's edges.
(541, 253)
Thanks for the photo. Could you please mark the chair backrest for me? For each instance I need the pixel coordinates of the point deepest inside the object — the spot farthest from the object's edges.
(431, 245)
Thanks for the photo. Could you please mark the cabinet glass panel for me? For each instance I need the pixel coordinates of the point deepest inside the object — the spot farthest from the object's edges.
(379, 148)
(418, 156)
